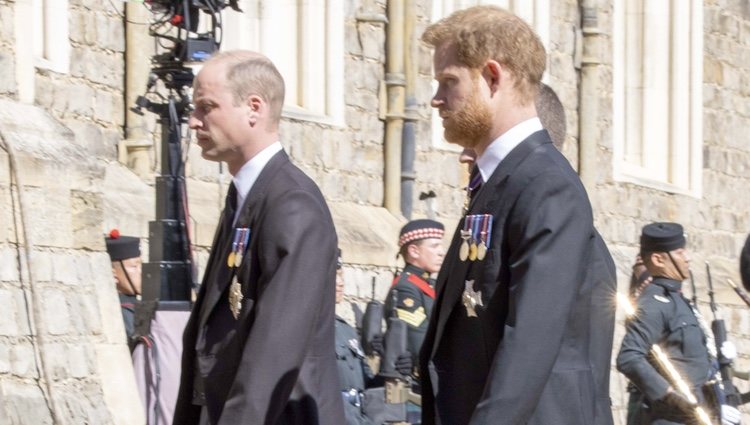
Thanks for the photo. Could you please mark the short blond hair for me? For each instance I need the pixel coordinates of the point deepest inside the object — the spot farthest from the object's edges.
(481, 33)
(252, 73)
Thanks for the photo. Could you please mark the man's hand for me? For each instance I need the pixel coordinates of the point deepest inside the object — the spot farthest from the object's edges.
(404, 364)
(728, 350)
(678, 402)
(730, 415)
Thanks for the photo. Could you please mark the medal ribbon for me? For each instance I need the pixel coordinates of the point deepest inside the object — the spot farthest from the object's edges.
(487, 229)
(476, 223)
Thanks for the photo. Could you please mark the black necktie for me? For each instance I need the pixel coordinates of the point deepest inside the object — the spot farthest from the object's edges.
(230, 205)
(475, 181)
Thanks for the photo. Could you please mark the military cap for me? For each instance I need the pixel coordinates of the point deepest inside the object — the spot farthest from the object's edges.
(662, 237)
(122, 247)
(416, 230)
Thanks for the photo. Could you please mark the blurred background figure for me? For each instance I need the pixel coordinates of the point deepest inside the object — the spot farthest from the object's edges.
(125, 254)
(361, 389)
(413, 291)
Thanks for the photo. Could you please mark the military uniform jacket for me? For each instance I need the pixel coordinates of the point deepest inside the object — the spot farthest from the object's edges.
(275, 364)
(526, 358)
(414, 296)
(663, 317)
(354, 374)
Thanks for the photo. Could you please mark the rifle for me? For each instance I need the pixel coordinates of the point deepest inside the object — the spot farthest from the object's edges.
(692, 288)
(397, 386)
(719, 330)
(372, 328)
(742, 294)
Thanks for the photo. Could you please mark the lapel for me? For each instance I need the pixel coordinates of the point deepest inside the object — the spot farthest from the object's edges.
(249, 211)
(494, 197)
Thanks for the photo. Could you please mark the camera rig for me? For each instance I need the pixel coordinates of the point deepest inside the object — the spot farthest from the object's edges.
(170, 273)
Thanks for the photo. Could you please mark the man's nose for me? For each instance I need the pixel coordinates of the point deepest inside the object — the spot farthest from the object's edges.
(193, 121)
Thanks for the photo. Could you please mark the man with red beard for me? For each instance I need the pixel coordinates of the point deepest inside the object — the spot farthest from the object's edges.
(509, 339)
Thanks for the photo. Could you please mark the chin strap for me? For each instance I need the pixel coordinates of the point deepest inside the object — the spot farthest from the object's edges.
(127, 276)
(675, 266)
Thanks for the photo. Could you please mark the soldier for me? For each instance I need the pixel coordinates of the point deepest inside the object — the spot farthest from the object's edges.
(354, 373)
(125, 254)
(421, 246)
(666, 318)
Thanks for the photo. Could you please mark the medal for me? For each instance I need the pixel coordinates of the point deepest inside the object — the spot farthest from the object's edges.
(482, 249)
(235, 297)
(463, 250)
(473, 246)
(471, 299)
(239, 245)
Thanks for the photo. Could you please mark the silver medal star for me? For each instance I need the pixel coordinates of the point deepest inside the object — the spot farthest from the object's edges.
(471, 299)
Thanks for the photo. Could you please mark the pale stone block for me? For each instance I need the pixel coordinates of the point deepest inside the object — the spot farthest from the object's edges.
(57, 317)
(111, 32)
(24, 404)
(5, 359)
(45, 229)
(86, 314)
(22, 361)
(7, 70)
(352, 44)
(84, 403)
(64, 268)
(8, 319)
(21, 313)
(80, 364)
(81, 100)
(87, 214)
(7, 26)
(56, 357)
(372, 37)
(9, 269)
(118, 388)
(41, 266)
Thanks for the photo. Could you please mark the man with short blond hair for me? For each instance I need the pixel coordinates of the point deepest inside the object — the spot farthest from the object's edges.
(259, 345)
(509, 338)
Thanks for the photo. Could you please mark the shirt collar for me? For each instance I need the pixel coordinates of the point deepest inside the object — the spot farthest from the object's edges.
(248, 174)
(501, 147)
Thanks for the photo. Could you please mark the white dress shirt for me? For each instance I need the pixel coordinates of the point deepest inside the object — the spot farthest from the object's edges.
(248, 174)
(501, 147)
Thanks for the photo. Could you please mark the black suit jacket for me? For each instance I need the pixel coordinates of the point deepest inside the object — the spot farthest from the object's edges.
(526, 358)
(276, 363)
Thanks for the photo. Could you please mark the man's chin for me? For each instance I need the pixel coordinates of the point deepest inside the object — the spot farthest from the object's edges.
(458, 140)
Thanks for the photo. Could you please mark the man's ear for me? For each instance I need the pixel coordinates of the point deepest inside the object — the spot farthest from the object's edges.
(657, 259)
(255, 105)
(494, 74)
(413, 250)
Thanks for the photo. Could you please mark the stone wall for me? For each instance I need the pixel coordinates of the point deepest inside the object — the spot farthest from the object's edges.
(62, 329)
(88, 99)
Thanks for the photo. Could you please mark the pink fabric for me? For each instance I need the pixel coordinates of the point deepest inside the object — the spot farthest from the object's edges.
(166, 335)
